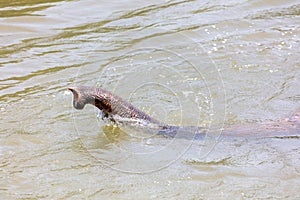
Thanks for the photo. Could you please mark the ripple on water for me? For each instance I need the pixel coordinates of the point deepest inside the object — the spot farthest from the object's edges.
(50, 150)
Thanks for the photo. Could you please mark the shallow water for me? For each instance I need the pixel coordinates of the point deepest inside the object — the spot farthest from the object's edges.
(205, 63)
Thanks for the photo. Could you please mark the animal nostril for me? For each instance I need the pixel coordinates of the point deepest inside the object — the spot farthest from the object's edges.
(75, 93)
(71, 89)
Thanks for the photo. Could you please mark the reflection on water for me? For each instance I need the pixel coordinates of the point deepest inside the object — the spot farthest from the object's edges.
(24, 8)
(188, 63)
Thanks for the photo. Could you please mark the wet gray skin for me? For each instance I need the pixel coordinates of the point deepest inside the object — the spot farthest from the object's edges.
(113, 106)
(108, 103)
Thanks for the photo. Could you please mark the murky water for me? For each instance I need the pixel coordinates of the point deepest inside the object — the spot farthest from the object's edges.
(205, 63)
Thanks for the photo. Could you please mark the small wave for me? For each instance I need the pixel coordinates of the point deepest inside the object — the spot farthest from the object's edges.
(131, 122)
(186, 132)
(287, 137)
(224, 161)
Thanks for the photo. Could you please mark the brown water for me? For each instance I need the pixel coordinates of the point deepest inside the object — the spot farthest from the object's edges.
(204, 63)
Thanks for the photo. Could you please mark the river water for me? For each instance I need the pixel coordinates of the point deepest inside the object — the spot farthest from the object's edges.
(205, 63)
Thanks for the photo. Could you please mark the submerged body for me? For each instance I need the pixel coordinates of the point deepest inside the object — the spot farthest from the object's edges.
(115, 108)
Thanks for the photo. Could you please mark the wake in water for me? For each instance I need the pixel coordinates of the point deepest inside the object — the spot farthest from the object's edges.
(141, 125)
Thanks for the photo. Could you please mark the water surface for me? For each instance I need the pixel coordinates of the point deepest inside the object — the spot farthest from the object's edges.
(205, 63)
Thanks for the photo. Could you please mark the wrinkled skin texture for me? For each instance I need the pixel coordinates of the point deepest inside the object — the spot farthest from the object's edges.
(108, 103)
(112, 105)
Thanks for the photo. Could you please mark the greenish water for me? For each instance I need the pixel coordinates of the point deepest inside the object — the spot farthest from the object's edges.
(205, 63)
